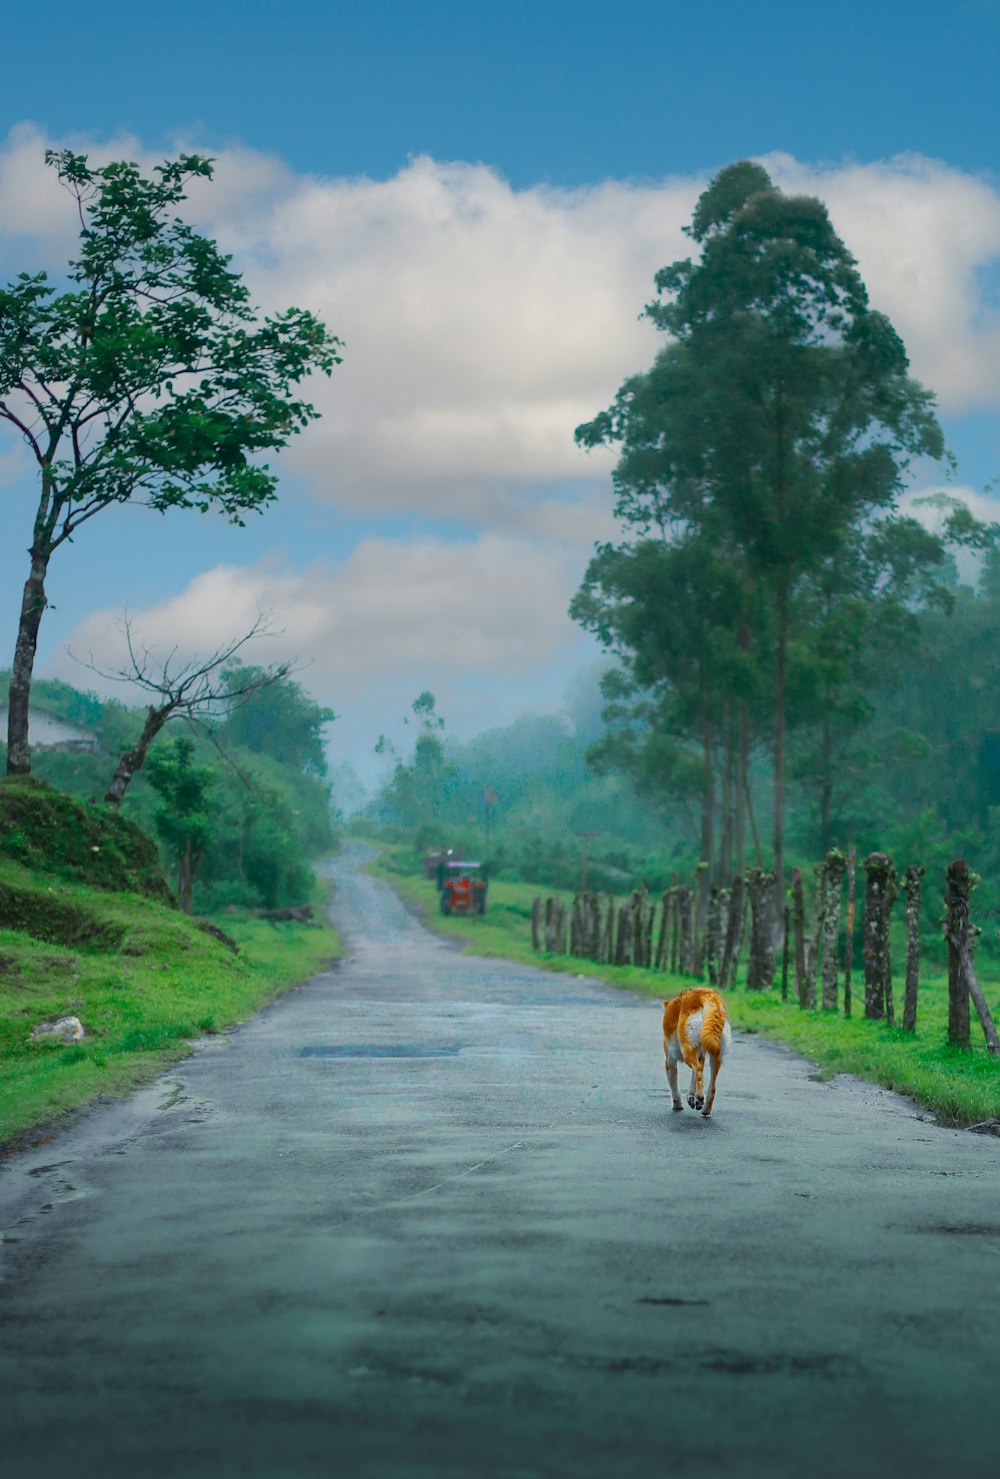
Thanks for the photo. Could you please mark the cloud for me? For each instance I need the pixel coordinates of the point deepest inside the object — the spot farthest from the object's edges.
(483, 323)
(491, 607)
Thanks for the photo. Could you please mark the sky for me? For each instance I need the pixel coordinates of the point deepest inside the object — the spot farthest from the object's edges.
(475, 198)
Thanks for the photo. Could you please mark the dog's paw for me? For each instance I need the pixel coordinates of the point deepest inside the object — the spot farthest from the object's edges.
(705, 1114)
(678, 1107)
(691, 1103)
(699, 1102)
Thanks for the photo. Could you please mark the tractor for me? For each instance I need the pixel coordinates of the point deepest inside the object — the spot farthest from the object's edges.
(463, 889)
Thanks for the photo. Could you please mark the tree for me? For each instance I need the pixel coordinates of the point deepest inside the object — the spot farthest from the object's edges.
(418, 787)
(275, 716)
(188, 690)
(781, 417)
(184, 817)
(151, 377)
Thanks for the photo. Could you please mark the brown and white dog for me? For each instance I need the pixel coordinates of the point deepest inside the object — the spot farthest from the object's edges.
(695, 1027)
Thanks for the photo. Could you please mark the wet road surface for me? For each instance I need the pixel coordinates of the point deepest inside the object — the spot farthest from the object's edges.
(433, 1216)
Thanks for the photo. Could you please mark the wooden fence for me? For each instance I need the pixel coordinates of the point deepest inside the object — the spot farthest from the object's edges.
(702, 931)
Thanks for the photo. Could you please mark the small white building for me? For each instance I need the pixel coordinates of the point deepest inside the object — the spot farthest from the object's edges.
(49, 732)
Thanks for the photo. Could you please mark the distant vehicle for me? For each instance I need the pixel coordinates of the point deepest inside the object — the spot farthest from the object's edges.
(463, 890)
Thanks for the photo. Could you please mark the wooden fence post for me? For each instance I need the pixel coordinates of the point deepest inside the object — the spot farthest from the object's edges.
(849, 930)
(836, 866)
(536, 924)
(760, 961)
(685, 902)
(911, 883)
(713, 929)
(956, 928)
(784, 954)
(661, 944)
(734, 928)
(609, 932)
(799, 915)
(814, 944)
(879, 894)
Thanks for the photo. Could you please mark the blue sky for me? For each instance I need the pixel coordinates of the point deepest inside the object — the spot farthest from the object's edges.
(477, 196)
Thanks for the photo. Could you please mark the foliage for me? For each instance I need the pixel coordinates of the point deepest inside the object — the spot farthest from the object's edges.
(761, 460)
(279, 719)
(49, 831)
(149, 376)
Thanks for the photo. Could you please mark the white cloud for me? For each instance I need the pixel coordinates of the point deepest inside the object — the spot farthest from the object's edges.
(483, 323)
(495, 606)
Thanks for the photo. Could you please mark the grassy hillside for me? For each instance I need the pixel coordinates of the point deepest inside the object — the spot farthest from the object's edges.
(88, 928)
(961, 1088)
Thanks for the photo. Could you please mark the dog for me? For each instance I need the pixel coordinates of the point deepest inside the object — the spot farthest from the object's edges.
(695, 1027)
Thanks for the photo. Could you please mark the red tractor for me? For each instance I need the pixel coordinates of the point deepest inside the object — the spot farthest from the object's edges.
(463, 889)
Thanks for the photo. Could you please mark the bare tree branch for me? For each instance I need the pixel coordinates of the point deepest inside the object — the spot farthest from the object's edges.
(195, 691)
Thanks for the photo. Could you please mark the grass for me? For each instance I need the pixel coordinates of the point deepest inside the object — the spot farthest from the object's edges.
(961, 1088)
(143, 997)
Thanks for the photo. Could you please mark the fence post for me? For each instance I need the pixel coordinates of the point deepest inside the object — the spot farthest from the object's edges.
(836, 866)
(661, 944)
(536, 924)
(911, 883)
(713, 929)
(799, 913)
(734, 926)
(849, 935)
(956, 928)
(784, 954)
(760, 961)
(686, 911)
(879, 894)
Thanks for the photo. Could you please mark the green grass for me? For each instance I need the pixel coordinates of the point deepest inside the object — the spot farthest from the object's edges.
(960, 1087)
(141, 999)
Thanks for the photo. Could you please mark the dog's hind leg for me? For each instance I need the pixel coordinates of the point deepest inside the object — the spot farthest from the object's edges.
(672, 1081)
(696, 1094)
(716, 1063)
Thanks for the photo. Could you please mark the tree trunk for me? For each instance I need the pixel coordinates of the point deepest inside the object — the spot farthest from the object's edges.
(799, 914)
(724, 865)
(133, 759)
(186, 869)
(879, 894)
(849, 931)
(708, 798)
(836, 866)
(959, 886)
(779, 745)
(33, 603)
(911, 883)
(826, 788)
(742, 791)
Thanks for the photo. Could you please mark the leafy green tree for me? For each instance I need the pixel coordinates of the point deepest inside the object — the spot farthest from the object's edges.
(151, 377)
(418, 789)
(781, 417)
(275, 717)
(184, 817)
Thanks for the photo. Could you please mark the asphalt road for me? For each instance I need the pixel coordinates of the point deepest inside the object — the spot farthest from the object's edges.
(432, 1215)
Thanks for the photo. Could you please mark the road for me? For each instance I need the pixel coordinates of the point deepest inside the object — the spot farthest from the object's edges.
(431, 1215)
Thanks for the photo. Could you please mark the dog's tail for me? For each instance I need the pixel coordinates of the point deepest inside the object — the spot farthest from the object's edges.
(713, 1026)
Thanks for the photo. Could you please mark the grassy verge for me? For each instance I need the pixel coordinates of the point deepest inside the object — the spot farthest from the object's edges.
(142, 978)
(961, 1088)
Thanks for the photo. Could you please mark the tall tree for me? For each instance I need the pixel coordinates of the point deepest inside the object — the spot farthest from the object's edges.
(781, 417)
(151, 377)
